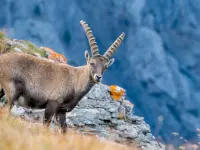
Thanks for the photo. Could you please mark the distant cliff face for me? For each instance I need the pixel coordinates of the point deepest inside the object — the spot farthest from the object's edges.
(158, 62)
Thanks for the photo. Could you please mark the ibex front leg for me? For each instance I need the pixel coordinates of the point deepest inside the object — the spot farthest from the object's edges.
(62, 120)
(61, 113)
(50, 110)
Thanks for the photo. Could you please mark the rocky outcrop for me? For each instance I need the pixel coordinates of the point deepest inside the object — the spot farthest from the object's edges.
(97, 113)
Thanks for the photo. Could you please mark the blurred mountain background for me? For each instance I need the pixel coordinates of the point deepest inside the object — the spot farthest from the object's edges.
(157, 63)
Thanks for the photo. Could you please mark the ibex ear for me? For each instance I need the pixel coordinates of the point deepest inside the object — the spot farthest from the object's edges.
(110, 62)
(87, 56)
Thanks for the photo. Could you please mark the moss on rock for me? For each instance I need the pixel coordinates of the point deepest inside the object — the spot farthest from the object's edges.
(11, 45)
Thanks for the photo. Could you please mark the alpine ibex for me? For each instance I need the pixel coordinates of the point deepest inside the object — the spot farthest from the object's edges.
(54, 86)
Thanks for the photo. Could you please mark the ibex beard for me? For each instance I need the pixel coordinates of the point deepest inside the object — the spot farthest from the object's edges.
(55, 87)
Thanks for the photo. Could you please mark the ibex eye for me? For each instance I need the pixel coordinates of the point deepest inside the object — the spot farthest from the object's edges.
(106, 66)
(92, 64)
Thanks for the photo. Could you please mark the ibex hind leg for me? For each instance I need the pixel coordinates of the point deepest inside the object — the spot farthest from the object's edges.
(2, 93)
(2, 96)
(12, 94)
(50, 110)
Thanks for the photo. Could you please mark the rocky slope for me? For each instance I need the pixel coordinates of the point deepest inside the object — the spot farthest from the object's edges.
(97, 113)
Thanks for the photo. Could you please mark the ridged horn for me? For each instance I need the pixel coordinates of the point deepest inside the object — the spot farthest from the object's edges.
(91, 38)
(108, 54)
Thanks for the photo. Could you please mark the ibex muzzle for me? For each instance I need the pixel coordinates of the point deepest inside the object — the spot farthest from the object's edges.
(55, 87)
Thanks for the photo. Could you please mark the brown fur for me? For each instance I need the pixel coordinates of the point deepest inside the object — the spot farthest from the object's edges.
(43, 82)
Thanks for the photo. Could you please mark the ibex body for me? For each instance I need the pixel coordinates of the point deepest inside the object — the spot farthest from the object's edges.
(54, 86)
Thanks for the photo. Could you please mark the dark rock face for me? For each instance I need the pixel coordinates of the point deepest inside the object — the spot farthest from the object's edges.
(157, 63)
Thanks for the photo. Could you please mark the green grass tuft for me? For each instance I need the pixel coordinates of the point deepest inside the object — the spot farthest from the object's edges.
(33, 49)
(2, 35)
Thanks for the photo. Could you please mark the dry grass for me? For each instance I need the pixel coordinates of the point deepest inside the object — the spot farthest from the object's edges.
(17, 134)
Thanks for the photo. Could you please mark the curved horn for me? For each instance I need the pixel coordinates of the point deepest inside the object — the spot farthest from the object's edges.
(91, 38)
(108, 54)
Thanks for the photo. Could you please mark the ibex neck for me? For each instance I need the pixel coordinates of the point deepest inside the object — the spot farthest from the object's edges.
(84, 80)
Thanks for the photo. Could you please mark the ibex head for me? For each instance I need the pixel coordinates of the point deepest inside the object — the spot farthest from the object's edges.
(99, 63)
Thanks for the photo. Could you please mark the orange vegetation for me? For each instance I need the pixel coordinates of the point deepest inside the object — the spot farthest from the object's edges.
(17, 134)
(116, 92)
(55, 56)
